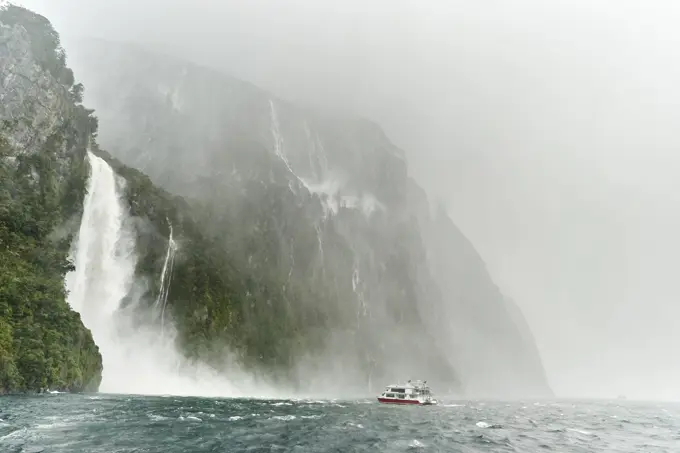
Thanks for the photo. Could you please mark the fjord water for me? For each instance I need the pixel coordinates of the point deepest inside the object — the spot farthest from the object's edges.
(145, 362)
(106, 423)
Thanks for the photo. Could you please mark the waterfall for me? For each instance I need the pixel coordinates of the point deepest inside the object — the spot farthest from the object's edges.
(166, 277)
(136, 358)
(278, 147)
(278, 140)
(105, 262)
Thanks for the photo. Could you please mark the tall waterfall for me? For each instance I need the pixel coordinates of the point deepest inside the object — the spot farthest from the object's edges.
(166, 278)
(137, 359)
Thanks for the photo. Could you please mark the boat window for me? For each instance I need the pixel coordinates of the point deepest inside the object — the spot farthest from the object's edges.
(398, 390)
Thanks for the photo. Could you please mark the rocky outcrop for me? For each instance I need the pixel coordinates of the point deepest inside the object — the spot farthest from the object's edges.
(43, 137)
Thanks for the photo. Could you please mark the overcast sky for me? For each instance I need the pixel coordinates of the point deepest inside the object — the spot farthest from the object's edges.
(550, 130)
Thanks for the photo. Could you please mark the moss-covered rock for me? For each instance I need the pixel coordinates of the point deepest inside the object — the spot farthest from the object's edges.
(43, 137)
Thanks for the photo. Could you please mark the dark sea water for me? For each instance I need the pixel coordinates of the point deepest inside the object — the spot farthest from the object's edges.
(120, 423)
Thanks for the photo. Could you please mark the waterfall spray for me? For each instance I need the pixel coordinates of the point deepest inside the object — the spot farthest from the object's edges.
(136, 358)
(104, 261)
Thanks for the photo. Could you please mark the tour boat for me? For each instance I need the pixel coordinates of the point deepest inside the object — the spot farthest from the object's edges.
(417, 392)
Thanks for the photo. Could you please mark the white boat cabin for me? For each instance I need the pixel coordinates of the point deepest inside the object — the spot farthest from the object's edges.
(417, 390)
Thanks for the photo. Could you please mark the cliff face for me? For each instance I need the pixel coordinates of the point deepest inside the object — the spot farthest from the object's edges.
(330, 257)
(43, 136)
(299, 243)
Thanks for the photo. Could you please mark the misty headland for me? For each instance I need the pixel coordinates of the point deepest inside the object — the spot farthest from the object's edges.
(223, 241)
(545, 133)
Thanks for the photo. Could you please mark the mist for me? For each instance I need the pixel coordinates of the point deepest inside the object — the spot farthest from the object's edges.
(138, 340)
(138, 357)
(547, 128)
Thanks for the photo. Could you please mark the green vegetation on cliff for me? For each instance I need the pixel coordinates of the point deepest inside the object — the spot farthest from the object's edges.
(43, 134)
(43, 343)
(216, 298)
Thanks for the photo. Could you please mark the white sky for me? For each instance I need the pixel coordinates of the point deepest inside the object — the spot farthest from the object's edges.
(550, 129)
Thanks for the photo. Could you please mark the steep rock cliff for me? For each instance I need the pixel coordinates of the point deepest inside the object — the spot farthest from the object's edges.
(338, 261)
(44, 132)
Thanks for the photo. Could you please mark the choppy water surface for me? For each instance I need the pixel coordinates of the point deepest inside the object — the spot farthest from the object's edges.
(119, 423)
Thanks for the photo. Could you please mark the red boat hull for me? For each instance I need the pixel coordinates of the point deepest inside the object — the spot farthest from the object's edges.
(397, 401)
